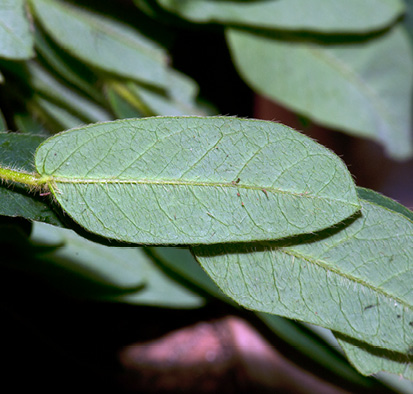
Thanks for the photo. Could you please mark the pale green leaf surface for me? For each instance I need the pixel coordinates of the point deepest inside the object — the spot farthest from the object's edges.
(371, 360)
(362, 88)
(351, 16)
(180, 180)
(17, 150)
(182, 262)
(355, 280)
(16, 41)
(103, 43)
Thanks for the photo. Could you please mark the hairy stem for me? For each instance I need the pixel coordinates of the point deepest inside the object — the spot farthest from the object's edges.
(33, 180)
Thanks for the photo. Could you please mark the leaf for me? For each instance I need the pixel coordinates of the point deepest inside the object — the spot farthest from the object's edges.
(363, 88)
(3, 125)
(408, 19)
(179, 98)
(370, 360)
(57, 117)
(158, 103)
(17, 150)
(48, 86)
(164, 290)
(355, 279)
(103, 43)
(120, 107)
(15, 37)
(26, 123)
(182, 263)
(66, 68)
(172, 180)
(84, 268)
(349, 16)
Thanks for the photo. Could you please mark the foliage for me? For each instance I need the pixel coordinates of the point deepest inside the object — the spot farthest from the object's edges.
(273, 218)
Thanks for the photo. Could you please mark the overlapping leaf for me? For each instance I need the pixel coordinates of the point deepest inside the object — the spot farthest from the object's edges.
(370, 360)
(355, 280)
(364, 88)
(48, 86)
(179, 180)
(16, 41)
(86, 269)
(317, 15)
(103, 43)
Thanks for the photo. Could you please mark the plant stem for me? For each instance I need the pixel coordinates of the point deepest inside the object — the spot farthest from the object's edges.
(7, 174)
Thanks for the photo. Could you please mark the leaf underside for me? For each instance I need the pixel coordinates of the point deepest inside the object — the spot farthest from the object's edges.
(180, 180)
(355, 280)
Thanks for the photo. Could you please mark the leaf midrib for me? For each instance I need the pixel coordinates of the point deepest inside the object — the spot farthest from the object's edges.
(328, 267)
(160, 182)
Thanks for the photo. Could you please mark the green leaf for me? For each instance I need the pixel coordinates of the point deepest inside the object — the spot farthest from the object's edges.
(370, 360)
(48, 86)
(101, 42)
(181, 262)
(363, 88)
(383, 201)
(351, 16)
(120, 107)
(3, 125)
(57, 117)
(26, 123)
(172, 180)
(17, 150)
(84, 268)
(158, 103)
(16, 41)
(65, 66)
(408, 19)
(354, 279)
